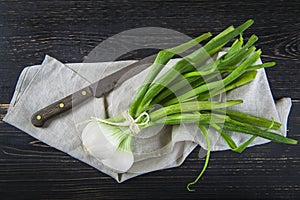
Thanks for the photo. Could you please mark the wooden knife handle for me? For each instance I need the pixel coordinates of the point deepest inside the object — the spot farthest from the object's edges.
(39, 118)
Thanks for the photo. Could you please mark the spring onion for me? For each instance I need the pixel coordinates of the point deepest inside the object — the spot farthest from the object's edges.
(184, 94)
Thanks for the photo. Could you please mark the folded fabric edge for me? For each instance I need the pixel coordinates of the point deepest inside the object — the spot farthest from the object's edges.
(284, 106)
(17, 90)
(20, 82)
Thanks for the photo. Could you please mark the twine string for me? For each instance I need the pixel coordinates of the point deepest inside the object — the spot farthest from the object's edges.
(133, 124)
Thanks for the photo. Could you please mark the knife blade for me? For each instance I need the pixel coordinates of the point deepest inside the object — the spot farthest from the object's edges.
(96, 89)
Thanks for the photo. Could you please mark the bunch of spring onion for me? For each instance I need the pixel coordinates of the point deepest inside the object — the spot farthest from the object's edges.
(184, 94)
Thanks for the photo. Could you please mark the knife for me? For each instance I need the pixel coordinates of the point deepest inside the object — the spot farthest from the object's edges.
(96, 89)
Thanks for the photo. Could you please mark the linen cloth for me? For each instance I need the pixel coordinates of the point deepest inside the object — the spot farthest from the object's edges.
(155, 148)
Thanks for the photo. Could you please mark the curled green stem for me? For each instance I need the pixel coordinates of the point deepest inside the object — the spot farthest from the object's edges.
(205, 133)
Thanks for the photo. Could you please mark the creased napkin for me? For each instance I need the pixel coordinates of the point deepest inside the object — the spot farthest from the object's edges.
(154, 148)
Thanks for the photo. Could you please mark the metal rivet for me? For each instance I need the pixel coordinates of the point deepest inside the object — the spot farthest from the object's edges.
(39, 117)
(83, 93)
(85, 149)
(61, 105)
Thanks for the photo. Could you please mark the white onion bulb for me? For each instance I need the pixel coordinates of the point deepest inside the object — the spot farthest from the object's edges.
(104, 142)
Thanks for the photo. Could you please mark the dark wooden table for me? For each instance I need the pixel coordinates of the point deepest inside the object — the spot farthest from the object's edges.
(68, 30)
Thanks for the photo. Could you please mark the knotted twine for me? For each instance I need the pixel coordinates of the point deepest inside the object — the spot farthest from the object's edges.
(133, 124)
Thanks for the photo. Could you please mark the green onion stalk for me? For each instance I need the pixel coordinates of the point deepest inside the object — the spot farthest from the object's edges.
(185, 94)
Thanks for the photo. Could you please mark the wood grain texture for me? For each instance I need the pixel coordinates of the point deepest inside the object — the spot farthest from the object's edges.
(69, 30)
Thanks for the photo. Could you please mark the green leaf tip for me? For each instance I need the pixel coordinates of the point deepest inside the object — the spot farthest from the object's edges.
(205, 134)
(250, 21)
